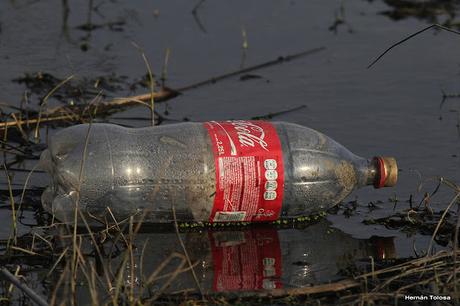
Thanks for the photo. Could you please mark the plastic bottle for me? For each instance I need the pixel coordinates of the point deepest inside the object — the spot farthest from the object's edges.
(226, 171)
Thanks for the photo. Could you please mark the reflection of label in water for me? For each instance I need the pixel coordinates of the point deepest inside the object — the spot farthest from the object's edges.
(246, 260)
(249, 171)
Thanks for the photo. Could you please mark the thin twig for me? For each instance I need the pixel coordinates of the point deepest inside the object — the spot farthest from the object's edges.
(16, 248)
(45, 102)
(3, 143)
(409, 37)
(23, 134)
(12, 203)
(279, 60)
(168, 282)
(165, 67)
(430, 246)
(25, 185)
(24, 288)
(154, 275)
(151, 83)
(185, 251)
(271, 115)
(56, 114)
(196, 17)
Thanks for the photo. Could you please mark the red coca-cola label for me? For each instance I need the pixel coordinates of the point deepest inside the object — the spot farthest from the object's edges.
(249, 171)
(246, 260)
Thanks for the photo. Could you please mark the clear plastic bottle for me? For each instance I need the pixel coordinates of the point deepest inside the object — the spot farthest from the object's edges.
(208, 172)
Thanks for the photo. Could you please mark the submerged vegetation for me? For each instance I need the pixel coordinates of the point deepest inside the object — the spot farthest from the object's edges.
(432, 11)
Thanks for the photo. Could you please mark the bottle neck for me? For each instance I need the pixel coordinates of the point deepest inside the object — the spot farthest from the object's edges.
(378, 172)
(367, 172)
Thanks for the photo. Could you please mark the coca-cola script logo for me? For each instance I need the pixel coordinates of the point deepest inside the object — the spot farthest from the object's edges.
(249, 134)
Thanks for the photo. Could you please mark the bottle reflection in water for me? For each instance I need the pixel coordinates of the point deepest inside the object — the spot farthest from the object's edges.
(248, 259)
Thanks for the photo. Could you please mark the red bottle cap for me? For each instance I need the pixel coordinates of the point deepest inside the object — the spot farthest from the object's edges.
(387, 172)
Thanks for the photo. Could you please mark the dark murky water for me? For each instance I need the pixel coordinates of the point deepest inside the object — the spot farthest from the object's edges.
(392, 109)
